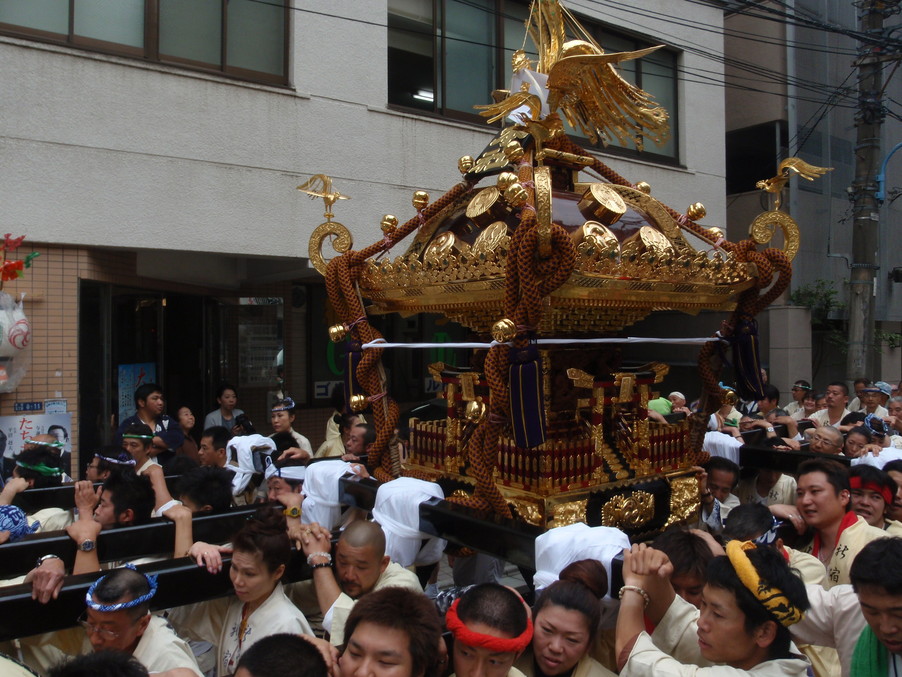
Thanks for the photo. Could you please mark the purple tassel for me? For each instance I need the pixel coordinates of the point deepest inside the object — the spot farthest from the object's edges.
(352, 385)
(527, 397)
(746, 362)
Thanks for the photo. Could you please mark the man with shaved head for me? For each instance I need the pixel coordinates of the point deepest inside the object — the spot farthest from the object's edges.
(825, 440)
(360, 567)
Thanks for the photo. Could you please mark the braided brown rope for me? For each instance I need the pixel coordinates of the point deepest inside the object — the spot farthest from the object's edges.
(342, 275)
(528, 279)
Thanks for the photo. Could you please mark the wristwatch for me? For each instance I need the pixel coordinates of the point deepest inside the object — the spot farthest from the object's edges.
(44, 558)
(293, 511)
(86, 545)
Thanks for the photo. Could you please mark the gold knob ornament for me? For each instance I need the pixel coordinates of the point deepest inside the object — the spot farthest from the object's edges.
(506, 179)
(515, 195)
(504, 330)
(337, 332)
(696, 211)
(465, 163)
(359, 402)
(475, 411)
(420, 200)
(514, 152)
(644, 187)
(716, 233)
(388, 223)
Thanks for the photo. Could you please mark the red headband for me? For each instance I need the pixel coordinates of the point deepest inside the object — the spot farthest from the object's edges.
(464, 635)
(856, 483)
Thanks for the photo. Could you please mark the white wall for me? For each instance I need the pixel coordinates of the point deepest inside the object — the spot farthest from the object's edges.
(107, 151)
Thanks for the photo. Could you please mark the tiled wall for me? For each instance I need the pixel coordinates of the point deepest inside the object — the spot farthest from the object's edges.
(51, 305)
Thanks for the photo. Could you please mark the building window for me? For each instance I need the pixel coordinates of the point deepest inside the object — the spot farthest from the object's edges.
(243, 38)
(445, 56)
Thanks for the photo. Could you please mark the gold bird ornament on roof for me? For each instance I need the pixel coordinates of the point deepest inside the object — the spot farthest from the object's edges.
(579, 79)
(790, 165)
(320, 185)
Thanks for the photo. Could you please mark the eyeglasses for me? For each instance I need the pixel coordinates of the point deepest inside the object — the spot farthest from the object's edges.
(822, 440)
(91, 629)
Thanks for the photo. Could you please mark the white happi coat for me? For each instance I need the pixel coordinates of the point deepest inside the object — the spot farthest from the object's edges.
(158, 650)
(218, 622)
(677, 635)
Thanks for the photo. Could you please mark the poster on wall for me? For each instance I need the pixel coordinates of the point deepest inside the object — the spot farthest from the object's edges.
(14, 430)
(130, 377)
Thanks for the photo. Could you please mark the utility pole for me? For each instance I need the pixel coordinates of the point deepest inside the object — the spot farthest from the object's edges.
(865, 207)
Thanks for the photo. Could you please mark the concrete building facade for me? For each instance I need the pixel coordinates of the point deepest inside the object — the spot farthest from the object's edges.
(792, 91)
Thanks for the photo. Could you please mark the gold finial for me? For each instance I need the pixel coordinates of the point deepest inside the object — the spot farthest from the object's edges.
(644, 187)
(465, 163)
(716, 233)
(388, 223)
(420, 200)
(337, 332)
(696, 211)
(320, 185)
(358, 402)
(504, 330)
(505, 179)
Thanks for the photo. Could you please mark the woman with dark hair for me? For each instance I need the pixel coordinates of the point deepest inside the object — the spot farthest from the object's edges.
(260, 553)
(227, 413)
(750, 600)
(565, 623)
(857, 439)
(187, 422)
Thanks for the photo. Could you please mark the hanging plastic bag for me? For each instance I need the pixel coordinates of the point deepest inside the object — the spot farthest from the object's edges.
(15, 342)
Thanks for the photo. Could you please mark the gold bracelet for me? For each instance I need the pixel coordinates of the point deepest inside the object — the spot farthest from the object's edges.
(635, 588)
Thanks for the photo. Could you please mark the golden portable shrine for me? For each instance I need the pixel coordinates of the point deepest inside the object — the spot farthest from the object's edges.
(552, 254)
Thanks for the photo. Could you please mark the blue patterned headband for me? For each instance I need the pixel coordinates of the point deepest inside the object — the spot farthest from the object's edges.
(121, 459)
(285, 405)
(97, 606)
(770, 536)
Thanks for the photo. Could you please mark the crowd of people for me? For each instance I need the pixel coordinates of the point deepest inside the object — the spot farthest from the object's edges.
(783, 574)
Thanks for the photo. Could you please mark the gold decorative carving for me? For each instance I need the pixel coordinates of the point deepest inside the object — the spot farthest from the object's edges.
(468, 386)
(580, 378)
(528, 511)
(341, 243)
(764, 226)
(440, 248)
(490, 238)
(486, 207)
(628, 510)
(602, 202)
(542, 179)
(569, 513)
(644, 202)
(494, 157)
(684, 500)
